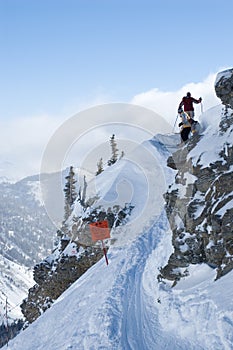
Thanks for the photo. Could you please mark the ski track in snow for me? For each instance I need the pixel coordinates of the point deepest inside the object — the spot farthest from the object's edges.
(131, 315)
(126, 314)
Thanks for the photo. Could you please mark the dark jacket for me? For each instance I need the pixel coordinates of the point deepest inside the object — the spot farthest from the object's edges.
(187, 102)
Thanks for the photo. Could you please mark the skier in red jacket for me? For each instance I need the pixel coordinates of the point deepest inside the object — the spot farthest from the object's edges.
(187, 102)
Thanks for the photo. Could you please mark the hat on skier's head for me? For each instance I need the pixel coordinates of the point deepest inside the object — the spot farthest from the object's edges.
(188, 94)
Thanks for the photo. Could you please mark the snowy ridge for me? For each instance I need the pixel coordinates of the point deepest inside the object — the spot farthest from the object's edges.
(140, 180)
(118, 307)
(123, 306)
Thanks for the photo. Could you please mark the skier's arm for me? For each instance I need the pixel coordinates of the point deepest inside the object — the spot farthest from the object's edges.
(196, 101)
(181, 104)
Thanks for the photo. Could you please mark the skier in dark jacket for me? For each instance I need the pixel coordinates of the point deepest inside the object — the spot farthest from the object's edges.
(187, 102)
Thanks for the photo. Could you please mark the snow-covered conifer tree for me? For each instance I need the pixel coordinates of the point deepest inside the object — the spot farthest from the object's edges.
(114, 149)
(70, 193)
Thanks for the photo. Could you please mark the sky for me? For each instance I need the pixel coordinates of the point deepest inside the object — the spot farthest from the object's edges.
(59, 57)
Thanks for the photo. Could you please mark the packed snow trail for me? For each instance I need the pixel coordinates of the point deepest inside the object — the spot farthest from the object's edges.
(132, 317)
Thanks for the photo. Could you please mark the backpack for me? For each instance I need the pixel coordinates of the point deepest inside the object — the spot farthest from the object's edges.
(185, 119)
(195, 127)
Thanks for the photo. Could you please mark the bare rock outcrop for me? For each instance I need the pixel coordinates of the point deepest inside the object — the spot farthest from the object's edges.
(199, 204)
(54, 276)
(224, 87)
(73, 256)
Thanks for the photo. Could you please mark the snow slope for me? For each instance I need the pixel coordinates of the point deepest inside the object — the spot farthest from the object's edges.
(110, 307)
(123, 306)
(15, 280)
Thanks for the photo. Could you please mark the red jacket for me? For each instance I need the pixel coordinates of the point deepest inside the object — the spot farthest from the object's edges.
(187, 102)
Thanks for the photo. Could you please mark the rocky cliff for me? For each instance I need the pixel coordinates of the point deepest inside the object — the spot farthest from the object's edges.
(200, 203)
(55, 274)
(74, 255)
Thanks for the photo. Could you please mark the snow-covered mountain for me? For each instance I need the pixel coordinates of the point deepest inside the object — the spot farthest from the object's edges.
(126, 304)
(7, 171)
(26, 237)
(26, 232)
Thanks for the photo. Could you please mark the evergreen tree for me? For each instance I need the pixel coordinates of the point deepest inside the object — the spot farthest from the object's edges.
(114, 149)
(70, 193)
(100, 168)
(83, 198)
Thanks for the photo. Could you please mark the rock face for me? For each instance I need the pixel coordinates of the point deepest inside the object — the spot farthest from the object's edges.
(200, 203)
(224, 87)
(53, 276)
(69, 261)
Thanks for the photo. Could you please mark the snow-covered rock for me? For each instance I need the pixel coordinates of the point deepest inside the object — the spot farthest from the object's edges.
(199, 202)
(224, 87)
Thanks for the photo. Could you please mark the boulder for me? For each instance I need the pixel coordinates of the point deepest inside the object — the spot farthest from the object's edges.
(224, 87)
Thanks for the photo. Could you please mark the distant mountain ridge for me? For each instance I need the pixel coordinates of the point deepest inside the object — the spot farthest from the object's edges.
(26, 237)
(26, 233)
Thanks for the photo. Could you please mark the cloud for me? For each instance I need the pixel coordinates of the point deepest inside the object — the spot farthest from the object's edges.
(23, 140)
(166, 103)
(22, 143)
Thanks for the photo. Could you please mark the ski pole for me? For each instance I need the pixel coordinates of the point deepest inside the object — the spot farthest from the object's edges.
(175, 123)
(201, 107)
(105, 252)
